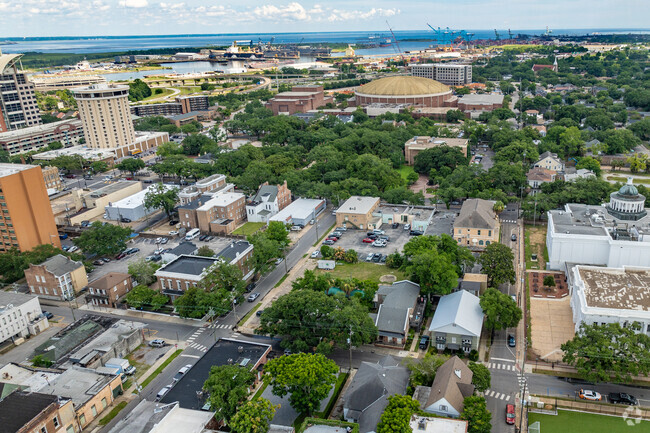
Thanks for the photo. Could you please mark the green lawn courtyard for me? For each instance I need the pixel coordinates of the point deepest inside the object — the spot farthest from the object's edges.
(573, 422)
(248, 229)
(405, 170)
(362, 271)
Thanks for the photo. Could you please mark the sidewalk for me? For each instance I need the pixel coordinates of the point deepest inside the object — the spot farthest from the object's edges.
(133, 314)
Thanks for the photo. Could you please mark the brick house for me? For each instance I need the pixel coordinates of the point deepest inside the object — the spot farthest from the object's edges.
(109, 288)
(56, 278)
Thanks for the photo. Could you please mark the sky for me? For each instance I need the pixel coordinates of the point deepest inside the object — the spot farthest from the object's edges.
(154, 17)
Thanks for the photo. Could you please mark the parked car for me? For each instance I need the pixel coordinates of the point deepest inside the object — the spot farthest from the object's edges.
(63, 236)
(182, 372)
(379, 232)
(416, 233)
(158, 342)
(315, 254)
(395, 225)
(48, 315)
(208, 238)
(164, 241)
(258, 313)
(252, 297)
(385, 238)
(424, 342)
(511, 340)
(367, 241)
(70, 176)
(250, 287)
(379, 243)
(620, 397)
(120, 256)
(337, 234)
(513, 237)
(407, 226)
(173, 233)
(125, 220)
(587, 394)
(340, 229)
(328, 242)
(130, 370)
(65, 247)
(202, 237)
(147, 181)
(163, 392)
(510, 414)
(369, 257)
(383, 258)
(278, 260)
(157, 241)
(85, 223)
(73, 248)
(98, 263)
(173, 222)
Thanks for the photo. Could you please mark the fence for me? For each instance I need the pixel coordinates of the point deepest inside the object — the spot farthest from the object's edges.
(540, 404)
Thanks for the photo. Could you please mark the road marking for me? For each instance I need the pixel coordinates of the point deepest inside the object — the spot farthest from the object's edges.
(190, 356)
(507, 398)
(502, 359)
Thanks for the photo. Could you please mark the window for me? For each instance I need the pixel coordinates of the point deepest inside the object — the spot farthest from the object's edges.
(70, 429)
(43, 429)
(480, 242)
(104, 402)
(55, 421)
(479, 233)
(442, 408)
(489, 232)
(93, 409)
(82, 419)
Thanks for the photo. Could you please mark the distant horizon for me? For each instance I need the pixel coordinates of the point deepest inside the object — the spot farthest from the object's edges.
(615, 30)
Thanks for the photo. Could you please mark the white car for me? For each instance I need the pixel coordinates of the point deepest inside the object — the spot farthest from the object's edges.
(162, 392)
(587, 394)
(158, 240)
(369, 257)
(315, 254)
(378, 244)
(173, 233)
(73, 249)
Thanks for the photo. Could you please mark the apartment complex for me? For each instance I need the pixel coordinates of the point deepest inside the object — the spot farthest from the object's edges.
(33, 412)
(183, 105)
(20, 316)
(105, 114)
(216, 182)
(18, 107)
(26, 218)
(477, 225)
(218, 213)
(67, 132)
(299, 100)
(52, 179)
(452, 74)
(269, 200)
(419, 143)
(108, 289)
(56, 278)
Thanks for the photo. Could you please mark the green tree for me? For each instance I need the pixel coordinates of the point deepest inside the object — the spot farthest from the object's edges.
(454, 116)
(103, 239)
(423, 370)
(142, 296)
(228, 387)
(41, 361)
(437, 158)
(305, 377)
(253, 417)
(205, 251)
(609, 352)
(55, 145)
(434, 272)
(143, 271)
(500, 310)
(498, 207)
(160, 196)
(99, 166)
(481, 378)
(138, 90)
(397, 415)
(351, 256)
(497, 262)
(132, 165)
(476, 414)
(549, 281)
(636, 164)
(277, 231)
(265, 251)
(194, 143)
(589, 163)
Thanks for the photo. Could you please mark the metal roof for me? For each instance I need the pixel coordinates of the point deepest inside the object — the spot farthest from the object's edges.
(458, 313)
(403, 86)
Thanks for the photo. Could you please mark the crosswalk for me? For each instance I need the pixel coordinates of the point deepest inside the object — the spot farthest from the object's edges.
(509, 221)
(500, 366)
(216, 325)
(199, 347)
(196, 334)
(498, 395)
(521, 379)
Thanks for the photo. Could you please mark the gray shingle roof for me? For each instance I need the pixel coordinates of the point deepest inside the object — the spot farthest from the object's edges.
(477, 213)
(266, 190)
(393, 312)
(184, 248)
(450, 386)
(367, 396)
(60, 265)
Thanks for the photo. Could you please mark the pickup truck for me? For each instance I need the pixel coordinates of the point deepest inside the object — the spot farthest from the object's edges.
(620, 397)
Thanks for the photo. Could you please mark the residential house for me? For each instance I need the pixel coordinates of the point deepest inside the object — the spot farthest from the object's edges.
(33, 412)
(537, 176)
(457, 322)
(477, 225)
(582, 173)
(185, 248)
(20, 316)
(475, 284)
(182, 273)
(397, 305)
(269, 200)
(452, 384)
(357, 211)
(56, 278)
(550, 161)
(106, 290)
(239, 253)
(367, 396)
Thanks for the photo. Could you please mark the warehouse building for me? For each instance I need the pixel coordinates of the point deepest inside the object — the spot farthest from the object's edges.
(300, 212)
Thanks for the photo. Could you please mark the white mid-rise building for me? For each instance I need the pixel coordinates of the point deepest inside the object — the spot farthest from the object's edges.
(616, 234)
(20, 316)
(610, 295)
(453, 74)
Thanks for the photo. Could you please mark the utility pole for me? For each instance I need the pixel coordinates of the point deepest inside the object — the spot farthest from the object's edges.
(523, 384)
(350, 346)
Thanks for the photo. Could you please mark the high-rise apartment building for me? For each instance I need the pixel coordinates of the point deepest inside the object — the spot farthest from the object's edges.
(26, 218)
(452, 74)
(105, 114)
(18, 107)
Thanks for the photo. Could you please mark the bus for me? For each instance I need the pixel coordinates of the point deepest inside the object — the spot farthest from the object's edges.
(192, 234)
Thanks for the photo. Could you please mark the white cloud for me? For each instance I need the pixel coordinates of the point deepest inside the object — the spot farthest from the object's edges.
(291, 12)
(342, 15)
(134, 3)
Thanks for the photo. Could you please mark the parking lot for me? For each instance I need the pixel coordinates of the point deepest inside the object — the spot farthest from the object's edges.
(352, 239)
(147, 247)
(442, 223)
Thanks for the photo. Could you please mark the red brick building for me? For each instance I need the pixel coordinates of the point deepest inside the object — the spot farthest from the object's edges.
(299, 100)
(109, 288)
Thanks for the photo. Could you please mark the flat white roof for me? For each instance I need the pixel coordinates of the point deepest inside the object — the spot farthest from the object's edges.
(358, 205)
(299, 209)
(223, 199)
(85, 152)
(137, 199)
(438, 425)
(9, 169)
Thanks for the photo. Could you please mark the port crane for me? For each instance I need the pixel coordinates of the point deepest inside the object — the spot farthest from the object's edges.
(399, 50)
(496, 35)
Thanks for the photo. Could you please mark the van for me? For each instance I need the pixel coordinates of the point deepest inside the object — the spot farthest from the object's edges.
(192, 234)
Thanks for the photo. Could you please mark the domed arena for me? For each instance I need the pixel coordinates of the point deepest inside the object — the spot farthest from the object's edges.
(417, 91)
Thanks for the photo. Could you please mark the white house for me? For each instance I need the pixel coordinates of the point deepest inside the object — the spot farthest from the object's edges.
(610, 295)
(20, 316)
(457, 322)
(269, 200)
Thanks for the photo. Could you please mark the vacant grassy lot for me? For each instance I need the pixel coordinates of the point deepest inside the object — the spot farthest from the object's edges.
(363, 271)
(535, 243)
(248, 229)
(571, 422)
(405, 170)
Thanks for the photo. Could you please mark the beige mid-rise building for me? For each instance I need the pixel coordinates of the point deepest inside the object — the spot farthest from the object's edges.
(105, 114)
(477, 225)
(26, 218)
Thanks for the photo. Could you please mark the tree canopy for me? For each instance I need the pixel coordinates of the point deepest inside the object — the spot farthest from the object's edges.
(161, 197)
(103, 239)
(397, 415)
(500, 310)
(476, 414)
(497, 263)
(228, 387)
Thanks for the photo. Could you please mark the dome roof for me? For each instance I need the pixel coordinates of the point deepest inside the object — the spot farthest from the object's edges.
(628, 189)
(404, 85)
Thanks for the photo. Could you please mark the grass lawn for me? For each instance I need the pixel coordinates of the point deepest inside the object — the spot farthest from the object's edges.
(362, 271)
(405, 170)
(165, 92)
(624, 180)
(570, 422)
(113, 413)
(535, 243)
(248, 229)
(188, 90)
(250, 313)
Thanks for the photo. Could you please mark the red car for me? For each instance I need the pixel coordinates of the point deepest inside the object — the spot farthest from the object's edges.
(120, 256)
(332, 239)
(510, 414)
(367, 241)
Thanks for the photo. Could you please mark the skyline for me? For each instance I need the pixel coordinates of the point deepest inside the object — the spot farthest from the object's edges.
(40, 18)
